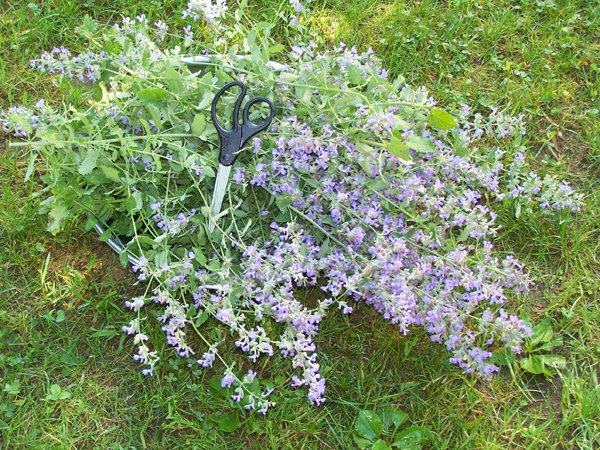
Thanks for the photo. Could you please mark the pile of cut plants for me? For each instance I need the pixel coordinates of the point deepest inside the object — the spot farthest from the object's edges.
(363, 189)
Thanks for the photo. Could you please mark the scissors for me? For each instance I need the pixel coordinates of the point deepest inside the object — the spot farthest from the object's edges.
(233, 140)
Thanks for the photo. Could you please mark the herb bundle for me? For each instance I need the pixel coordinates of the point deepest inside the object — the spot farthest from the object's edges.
(363, 188)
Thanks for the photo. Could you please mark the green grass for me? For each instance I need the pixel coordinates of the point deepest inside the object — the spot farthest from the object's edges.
(536, 57)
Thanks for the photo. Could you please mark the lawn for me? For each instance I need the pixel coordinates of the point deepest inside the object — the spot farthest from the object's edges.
(67, 379)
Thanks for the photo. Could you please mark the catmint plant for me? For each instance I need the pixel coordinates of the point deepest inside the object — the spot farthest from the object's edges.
(363, 189)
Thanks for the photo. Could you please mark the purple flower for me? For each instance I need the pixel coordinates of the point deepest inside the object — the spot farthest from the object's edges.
(188, 33)
(356, 235)
(297, 5)
(238, 175)
(207, 359)
(135, 304)
(227, 381)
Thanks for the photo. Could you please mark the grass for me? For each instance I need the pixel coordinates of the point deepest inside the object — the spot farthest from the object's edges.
(61, 298)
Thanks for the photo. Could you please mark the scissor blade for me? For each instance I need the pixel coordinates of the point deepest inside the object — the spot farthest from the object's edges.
(218, 194)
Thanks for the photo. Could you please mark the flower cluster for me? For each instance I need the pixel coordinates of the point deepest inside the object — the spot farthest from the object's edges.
(298, 7)
(548, 191)
(211, 12)
(135, 43)
(22, 121)
(83, 67)
(144, 355)
(381, 253)
(161, 30)
(18, 120)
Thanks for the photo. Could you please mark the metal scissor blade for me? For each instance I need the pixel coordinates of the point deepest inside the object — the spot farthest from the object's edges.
(218, 194)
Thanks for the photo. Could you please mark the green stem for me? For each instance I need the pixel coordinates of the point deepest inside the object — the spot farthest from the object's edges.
(20, 144)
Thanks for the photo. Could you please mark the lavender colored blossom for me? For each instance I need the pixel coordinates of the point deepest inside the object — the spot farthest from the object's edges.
(227, 381)
(238, 175)
(161, 30)
(211, 12)
(207, 359)
(297, 5)
(135, 304)
(188, 35)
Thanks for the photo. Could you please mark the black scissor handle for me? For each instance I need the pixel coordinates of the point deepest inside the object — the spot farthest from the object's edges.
(250, 128)
(233, 140)
(230, 139)
(236, 109)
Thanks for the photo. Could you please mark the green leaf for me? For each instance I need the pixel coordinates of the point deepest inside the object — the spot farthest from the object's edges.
(155, 113)
(70, 359)
(124, 259)
(214, 266)
(223, 77)
(541, 333)
(97, 178)
(554, 361)
(12, 389)
(199, 124)
(89, 162)
(57, 215)
(411, 437)
(49, 136)
(532, 364)
(31, 165)
(143, 240)
(380, 444)
(111, 173)
(104, 333)
(441, 120)
(199, 256)
(202, 317)
(134, 202)
(283, 202)
(368, 424)
(174, 81)
(152, 95)
(361, 442)
(104, 237)
(57, 393)
(392, 416)
(401, 125)
(64, 395)
(400, 149)
(465, 233)
(229, 422)
(60, 316)
(90, 222)
(355, 75)
(209, 172)
(557, 341)
(206, 101)
(460, 149)
(420, 144)
(87, 28)
(502, 357)
(277, 48)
